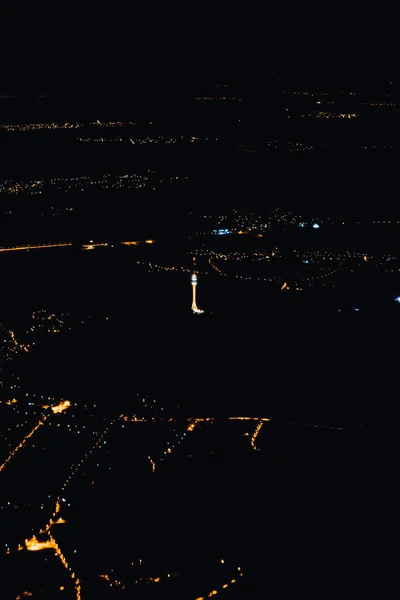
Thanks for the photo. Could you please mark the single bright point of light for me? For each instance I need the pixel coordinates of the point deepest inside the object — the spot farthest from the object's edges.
(316, 226)
(397, 299)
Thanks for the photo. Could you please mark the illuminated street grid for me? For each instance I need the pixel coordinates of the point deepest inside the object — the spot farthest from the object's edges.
(317, 265)
(269, 264)
(82, 184)
(45, 538)
(46, 413)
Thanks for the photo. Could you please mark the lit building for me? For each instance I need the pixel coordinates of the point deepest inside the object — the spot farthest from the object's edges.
(195, 308)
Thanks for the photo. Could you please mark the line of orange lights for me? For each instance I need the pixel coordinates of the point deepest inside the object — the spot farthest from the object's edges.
(63, 406)
(93, 246)
(34, 247)
(255, 435)
(16, 343)
(22, 443)
(223, 587)
(263, 420)
(90, 246)
(136, 243)
(33, 545)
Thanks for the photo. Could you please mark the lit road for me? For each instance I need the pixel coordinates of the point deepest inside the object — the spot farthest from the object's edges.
(89, 246)
(16, 248)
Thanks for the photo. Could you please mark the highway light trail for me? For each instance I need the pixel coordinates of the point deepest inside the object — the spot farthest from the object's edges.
(34, 247)
(93, 246)
(22, 443)
(56, 409)
(136, 243)
(89, 246)
(73, 472)
(224, 587)
(255, 435)
(264, 420)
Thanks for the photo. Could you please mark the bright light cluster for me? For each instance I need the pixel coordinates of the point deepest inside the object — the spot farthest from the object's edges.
(55, 126)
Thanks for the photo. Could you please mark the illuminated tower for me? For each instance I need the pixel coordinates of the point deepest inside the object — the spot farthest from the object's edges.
(195, 309)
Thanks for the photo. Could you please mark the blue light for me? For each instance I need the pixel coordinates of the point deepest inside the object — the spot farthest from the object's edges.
(398, 299)
(302, 224)
(220, 231)
(316, 226)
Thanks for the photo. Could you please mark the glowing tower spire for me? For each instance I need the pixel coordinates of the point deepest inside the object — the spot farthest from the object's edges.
(195, 309)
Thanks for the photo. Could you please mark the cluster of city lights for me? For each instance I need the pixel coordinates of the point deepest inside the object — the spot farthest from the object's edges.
(332, 115)
(161, 139)
(249, 149)
(309, 268)
(67, 184)
(219, 98)
(56, 126)
(302, 147)
(380, 104)
(140, 580)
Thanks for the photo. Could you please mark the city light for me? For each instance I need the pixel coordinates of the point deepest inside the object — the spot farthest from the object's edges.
(195, 309)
